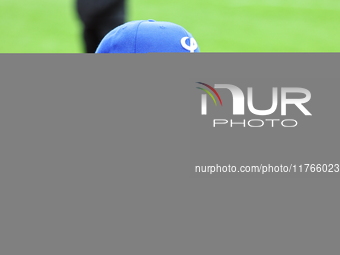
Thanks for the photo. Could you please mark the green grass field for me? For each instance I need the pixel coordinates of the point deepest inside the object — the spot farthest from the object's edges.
(49, 26)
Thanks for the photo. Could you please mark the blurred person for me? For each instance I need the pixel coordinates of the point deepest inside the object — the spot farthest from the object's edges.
(144, 36)
(98, 18)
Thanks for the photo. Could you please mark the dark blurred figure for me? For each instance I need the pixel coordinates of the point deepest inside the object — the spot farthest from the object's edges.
(99, 17)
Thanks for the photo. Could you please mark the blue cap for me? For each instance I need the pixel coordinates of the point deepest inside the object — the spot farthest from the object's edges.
(144, 36)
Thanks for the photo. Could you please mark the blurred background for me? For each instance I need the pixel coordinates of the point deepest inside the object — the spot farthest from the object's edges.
(49, 26)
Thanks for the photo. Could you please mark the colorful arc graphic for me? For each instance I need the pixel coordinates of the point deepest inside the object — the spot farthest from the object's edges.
(209, 93)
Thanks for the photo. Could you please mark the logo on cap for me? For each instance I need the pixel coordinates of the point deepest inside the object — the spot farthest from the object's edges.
(192, 44)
